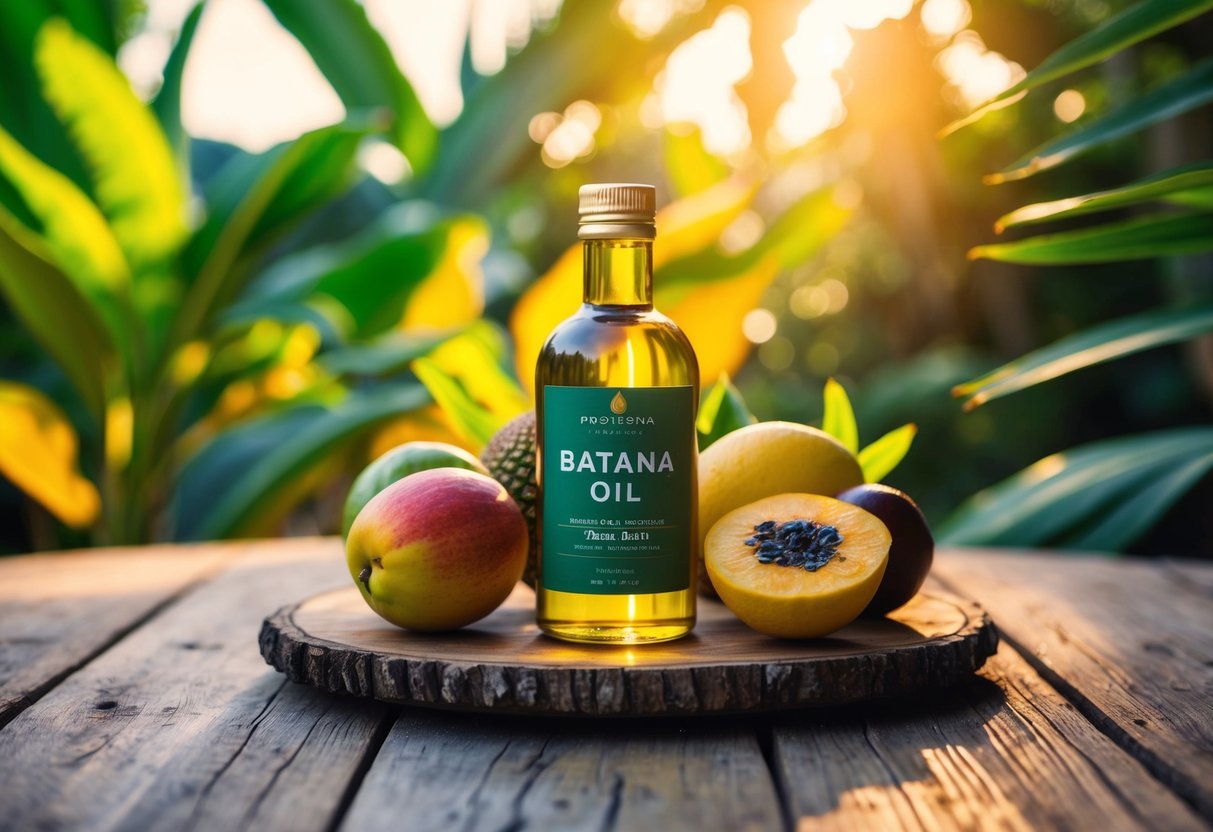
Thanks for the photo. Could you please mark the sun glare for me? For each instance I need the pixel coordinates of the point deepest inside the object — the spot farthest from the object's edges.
(975, 74)
(249, 82)
(646, 18)
(697, 84)
(944, 18)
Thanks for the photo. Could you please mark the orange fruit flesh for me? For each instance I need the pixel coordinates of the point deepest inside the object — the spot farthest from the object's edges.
(790, 601)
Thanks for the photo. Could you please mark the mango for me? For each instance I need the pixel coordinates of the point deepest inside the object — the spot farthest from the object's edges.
(438, 549)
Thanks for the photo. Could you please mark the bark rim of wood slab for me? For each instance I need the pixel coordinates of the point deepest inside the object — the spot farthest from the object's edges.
(724, 687)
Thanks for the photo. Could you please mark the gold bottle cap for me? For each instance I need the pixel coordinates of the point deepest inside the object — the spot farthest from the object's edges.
(617, 209)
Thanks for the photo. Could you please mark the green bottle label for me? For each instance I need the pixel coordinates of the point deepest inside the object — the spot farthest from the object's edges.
(618, 489)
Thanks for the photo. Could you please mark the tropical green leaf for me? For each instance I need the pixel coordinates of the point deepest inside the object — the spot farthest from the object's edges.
(1180, 95)
(167, 103)
(1177, 185)
(1137, 239)
(135, 178)
(358, 63)
(791, 239)
(23, 110)
(723, 411)
(1133, 25)
(286, 183)
(838, 420)
(1066, 492)
(688, 165)
(474, 421)
(383, 356)
(489, 141)
(405, 242)
(1131, 519)
(76, 233)
(233, 479)
(1096, 345)
(55, 313)
(879, 458)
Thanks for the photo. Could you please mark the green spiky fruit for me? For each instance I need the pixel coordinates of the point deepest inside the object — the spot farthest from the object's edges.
(510, 458)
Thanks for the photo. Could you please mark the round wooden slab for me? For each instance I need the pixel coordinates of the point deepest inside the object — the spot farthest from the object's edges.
(503, 663)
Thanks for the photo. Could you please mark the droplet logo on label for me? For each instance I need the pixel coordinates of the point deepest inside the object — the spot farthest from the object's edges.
(619, 405)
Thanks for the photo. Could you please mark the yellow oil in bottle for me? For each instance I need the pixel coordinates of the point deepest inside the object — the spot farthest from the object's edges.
(617, 386)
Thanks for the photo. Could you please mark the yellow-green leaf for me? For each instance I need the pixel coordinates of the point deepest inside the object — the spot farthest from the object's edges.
(1137, 239)
(471, 419)
(1183, 185)
(135, 180)
(723, 411)
(55, 313)
(473, 359)
(886, 453)
(453, 293)
(38, 454)
(711, 315)
(839, 417)
(75, 232)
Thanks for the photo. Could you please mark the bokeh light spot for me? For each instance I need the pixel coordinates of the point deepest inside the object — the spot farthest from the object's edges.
(1069, 105)
(777, 354)
(759, 326)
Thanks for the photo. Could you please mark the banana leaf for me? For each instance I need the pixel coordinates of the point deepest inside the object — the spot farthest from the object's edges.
(167, 103)
(237, 476)
(406, 243)
(74, 231)
(23, 109)
(287, 183)
(53, 310)
(358, 63)
(135, 179)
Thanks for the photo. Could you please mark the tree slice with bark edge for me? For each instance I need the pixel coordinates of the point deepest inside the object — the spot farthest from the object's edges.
(335, 642)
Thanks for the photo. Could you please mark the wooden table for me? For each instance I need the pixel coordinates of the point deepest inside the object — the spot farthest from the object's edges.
(132, 696)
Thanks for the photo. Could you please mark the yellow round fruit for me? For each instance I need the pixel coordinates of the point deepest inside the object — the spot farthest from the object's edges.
(769, 458)
(782, 597)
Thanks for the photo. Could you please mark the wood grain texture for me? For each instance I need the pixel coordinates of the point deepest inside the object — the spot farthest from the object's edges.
(59, 609)
(1003, 752)
(1129, 642)
(180, 724)
(442, 770)
(333, 641)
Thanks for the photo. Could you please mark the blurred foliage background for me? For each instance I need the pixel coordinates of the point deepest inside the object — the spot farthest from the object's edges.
(246, 245)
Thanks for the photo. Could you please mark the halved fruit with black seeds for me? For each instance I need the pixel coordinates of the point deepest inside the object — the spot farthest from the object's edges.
(797, 565)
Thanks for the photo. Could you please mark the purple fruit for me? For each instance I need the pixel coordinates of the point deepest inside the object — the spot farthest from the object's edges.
(913, 547)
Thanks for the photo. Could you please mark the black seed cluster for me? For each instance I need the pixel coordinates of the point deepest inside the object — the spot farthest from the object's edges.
(804, 543)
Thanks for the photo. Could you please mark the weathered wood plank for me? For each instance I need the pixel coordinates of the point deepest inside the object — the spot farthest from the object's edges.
(181, 725)
(1004, 752)
(455, 771)
(59, 609)
(1128, 641)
